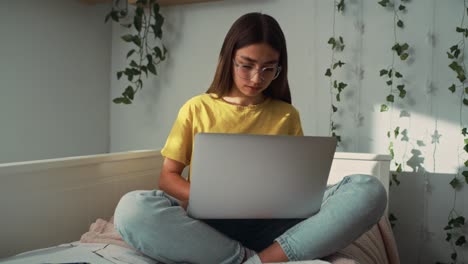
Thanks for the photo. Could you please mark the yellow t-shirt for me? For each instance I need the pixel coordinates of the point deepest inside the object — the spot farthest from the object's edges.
(209, 114)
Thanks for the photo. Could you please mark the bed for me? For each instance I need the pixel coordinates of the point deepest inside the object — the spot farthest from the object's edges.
(65, 206)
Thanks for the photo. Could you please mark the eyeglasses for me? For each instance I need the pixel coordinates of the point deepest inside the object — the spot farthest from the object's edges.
(248, 71)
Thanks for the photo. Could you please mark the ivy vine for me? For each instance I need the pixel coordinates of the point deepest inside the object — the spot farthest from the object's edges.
(145, 55)
(336, 87)
(394, 79)
(454, 229)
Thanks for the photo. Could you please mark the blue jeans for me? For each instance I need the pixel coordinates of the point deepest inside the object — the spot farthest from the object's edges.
(155, 224)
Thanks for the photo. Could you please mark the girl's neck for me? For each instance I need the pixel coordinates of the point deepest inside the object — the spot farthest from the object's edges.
(242, 100)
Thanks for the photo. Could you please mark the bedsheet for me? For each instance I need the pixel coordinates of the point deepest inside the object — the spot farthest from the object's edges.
(102, 244)
(93, 253)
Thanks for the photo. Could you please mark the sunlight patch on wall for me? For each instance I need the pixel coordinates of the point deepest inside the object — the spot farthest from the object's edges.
(420, 142)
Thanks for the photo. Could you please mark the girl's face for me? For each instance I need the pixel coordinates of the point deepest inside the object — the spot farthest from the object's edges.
(254, 68)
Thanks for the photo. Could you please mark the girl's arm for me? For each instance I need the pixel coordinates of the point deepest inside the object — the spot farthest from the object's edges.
(171, 181)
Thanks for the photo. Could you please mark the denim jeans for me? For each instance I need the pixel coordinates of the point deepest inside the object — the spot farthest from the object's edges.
(155, 224)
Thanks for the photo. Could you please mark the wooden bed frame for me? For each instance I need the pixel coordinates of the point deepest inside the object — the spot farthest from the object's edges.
(49, 202)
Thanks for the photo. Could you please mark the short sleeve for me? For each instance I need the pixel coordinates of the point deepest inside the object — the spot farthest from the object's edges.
(179, 142)
(296, 126)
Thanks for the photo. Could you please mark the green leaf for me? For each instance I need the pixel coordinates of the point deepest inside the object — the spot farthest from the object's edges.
(149, 58)
(397, 48)
(390, 98)
(401, 7)
(126, 25)
(383, 72)
(466, 163)
(130, 53)
(119, 74)
(465, 101)
(129, 92)
(115, 16)
(118, 100)
(383, 108)
(453, 48)
(465, 174)
(390, 148)
(341, 86)
(383, 3)
(338, 97)
(134, 64)
(398, 75)
(402, 90)
(388, 134)
(389, 82)
(404, 47)
(466, 90)
(459, 221)
(137, 41)
(341, 5)
(455, 183)
(390, 73)
(137, 22)
(464, 131)
(460, 241)
(449, 236)
(152, 68)
(107, 17)
(127, 38)
(335, 84)
(466, 148)
(156, 8)
(459, 70)
(139, 11)
(404, 56)
(460, 30)
(400, 24)
(144, 69)
(328, 72)
(158, 53)
(399, 168)
(122, 100)
(334, 108)
(450, 56)
(338, 64)
(453, 256)
(396, 131)
(452, 88)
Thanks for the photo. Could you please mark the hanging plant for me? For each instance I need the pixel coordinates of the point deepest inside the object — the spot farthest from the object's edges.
(147, 50)
(394, 79)
(455, 234)
(336, 87)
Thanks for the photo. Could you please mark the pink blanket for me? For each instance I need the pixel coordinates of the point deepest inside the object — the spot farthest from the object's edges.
(375, 246)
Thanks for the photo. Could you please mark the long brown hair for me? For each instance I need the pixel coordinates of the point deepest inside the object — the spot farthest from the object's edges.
(252, 28)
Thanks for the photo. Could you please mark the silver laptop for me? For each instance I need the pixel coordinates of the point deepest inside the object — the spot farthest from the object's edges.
(239, 176)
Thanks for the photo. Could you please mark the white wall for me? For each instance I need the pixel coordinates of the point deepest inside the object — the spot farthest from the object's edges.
(194, 33)
(54, 79)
